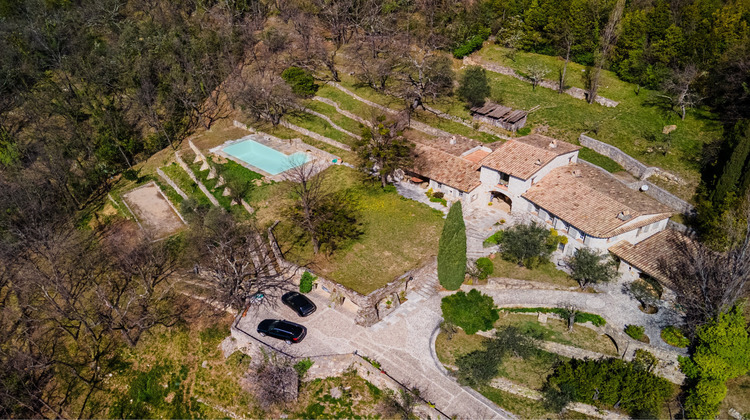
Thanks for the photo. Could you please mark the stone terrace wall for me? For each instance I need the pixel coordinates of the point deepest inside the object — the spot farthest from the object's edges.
(629, 163)
(663, 196)
(639, 170)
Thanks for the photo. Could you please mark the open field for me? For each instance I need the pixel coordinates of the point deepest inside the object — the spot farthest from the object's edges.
(399, 235)
(634, 126)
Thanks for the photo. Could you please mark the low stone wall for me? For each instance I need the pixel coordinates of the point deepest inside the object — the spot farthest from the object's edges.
(192, 176)
(663, 196)
(575, 92)
(629, 163)
(314, 135)
(171, 183)
(333, 124)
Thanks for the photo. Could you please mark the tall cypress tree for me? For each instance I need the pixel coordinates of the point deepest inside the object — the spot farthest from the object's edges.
(731, 179)
(452, 249)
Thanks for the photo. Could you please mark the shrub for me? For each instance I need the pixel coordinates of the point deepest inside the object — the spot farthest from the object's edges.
(472, 44)
(300, 80)
(581, 317)
(494, 239)
(473, 311)
(610, 383)
(438, 194)
(635, 331)
(722, 352)
(674, 337)
(584, 317)
(452, 250)
(306, 282)
(442, 201)
(526, 244)
(525, 131)
(590, 267)
(303, 366)
(485, 267)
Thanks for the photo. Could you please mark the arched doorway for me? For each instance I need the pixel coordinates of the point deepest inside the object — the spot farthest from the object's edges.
(501, 201)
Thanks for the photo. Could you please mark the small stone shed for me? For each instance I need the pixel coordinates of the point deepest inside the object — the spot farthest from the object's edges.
(501, 116)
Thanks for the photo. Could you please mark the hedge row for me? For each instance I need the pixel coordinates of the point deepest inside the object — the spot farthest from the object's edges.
(581, 317)
(472, 44)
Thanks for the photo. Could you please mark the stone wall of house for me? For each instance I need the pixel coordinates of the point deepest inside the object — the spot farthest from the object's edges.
(575, 92)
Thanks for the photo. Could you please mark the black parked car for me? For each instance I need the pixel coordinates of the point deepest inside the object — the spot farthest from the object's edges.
(283, 330)
(299, 303)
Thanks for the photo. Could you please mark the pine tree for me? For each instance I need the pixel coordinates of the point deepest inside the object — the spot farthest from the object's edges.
(452, 249)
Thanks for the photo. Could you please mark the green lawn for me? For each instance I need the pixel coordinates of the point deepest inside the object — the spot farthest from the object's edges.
(399, 235)
(320, 126)
(557, 331)
(545, 273)
(342, 121)
(178, 175)
(627, 126)
(601, 161)
(394, 103)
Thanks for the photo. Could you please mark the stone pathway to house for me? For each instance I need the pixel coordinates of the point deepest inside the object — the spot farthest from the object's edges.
(481, 223)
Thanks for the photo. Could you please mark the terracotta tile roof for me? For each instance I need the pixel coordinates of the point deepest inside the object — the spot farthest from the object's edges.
(445, 168)
(650, 254)
(476, 156)
(455, 145)
(592, 200)
(524, 156)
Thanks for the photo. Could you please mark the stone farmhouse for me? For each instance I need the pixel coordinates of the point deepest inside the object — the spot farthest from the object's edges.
(541, 178)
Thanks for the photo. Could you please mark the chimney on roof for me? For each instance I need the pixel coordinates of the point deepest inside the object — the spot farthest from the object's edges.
(453, 140)
(577, 173)
(553, 144)
(538, 162)
(624, 215)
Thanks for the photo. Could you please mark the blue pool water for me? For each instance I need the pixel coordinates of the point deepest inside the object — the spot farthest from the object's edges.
(265, 158)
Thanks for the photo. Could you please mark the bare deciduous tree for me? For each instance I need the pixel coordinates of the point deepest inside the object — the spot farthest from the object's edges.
(680, 89)
(266, 95)
(425, 74)
(235, 259)
(708, 282)
(402, 403)
(327, 217)
(607, 43)
(273, 380)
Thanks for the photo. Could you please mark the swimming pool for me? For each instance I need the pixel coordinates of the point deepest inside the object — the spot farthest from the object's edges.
(265, 158)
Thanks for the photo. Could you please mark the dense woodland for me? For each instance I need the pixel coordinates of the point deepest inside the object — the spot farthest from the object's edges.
(91, 88)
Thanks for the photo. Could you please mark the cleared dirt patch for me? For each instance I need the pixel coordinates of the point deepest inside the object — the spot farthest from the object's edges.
(154, 213)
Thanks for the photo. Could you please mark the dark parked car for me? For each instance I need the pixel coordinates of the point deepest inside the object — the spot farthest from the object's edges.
(283, 330)
(299, 303)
